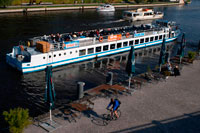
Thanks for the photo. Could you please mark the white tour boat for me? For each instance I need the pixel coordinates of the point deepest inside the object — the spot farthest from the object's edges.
(106, 8)
(67, 48)
(141, 14)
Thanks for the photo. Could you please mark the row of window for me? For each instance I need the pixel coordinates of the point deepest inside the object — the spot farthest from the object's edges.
(114, 46)
(119, 45)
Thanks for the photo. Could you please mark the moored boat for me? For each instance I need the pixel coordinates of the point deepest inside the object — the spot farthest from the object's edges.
(106, 8)
(67, 48)
(141, 14)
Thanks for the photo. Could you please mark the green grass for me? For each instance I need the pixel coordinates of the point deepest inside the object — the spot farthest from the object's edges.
(75, 5)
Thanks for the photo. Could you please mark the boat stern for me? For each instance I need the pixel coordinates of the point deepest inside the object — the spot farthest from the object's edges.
(13, 62)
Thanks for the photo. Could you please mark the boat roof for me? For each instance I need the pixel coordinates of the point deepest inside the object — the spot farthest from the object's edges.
(139, 10)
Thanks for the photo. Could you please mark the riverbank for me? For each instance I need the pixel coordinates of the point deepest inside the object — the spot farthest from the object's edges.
(16, 9)
(168, 106)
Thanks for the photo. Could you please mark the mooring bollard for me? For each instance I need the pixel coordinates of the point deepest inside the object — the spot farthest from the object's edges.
(80, 89)
(109, 78)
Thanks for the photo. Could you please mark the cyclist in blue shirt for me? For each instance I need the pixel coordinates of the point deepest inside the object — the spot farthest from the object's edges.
(115, 105)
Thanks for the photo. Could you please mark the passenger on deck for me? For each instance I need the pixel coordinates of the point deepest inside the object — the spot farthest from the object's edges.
(97, 33)
(53, 37)
(58, 37)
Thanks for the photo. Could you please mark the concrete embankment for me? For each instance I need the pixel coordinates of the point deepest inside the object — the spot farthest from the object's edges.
(79, 7)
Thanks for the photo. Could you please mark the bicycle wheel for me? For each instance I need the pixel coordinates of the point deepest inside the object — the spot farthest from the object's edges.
(106, 119)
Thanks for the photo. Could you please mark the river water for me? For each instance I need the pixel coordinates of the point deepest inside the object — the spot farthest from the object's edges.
(28, 90)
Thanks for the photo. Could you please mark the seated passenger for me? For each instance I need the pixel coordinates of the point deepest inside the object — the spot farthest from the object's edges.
(169, 67)
(52, 37)
(57, 38)
(176, 71)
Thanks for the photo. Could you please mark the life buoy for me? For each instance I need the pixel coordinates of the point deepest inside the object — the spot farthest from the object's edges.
(100, 39)
(127, 35)
(63, 45)
(21, 47)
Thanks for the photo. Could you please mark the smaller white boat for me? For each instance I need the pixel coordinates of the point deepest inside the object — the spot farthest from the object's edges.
(141, 14)
(106, 8)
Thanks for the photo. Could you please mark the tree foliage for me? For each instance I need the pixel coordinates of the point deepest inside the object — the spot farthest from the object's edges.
(145, 1)
(17, 119)
(5, 3)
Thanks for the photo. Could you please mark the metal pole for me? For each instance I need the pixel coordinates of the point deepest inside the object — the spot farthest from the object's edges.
(50, 112)
(129, 81)
(160, 68)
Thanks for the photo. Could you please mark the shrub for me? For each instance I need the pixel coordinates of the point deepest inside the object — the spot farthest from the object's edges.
(17, 119)
(191, 55)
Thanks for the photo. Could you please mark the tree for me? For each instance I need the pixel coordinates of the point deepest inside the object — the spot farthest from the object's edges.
(5, 3)
(17, 119)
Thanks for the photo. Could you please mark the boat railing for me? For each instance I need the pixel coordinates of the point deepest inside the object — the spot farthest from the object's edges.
(124, 33)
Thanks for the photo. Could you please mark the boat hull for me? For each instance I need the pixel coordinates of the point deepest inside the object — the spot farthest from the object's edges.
(28, 69)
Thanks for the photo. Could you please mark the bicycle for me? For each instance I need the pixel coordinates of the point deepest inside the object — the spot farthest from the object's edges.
(107, 117)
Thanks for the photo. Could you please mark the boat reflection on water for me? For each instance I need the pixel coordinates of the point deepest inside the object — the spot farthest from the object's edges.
(138, 23)
(106, 13)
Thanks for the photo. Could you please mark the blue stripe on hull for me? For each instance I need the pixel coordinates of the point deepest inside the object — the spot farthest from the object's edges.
(108, 53)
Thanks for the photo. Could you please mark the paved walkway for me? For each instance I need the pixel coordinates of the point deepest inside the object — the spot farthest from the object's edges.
(171, 106)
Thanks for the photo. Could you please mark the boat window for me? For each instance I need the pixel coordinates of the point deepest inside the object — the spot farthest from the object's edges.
(151, 39)
(54, 55)
(64, 53)
(119, 45)
(43, 57)
(146, 39)
(90, 50)
(98, 49)
(137, 41)
(160, 37)
(156, 38)
(70, 52)
(105, 48)
(142, 40)
(130, 43)
(125, 44)
(146, 14)
(82, 52)
(129, 15)
(112, 46)
(59, 54)
(135, 15)
(49, 56)
(76, 51)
